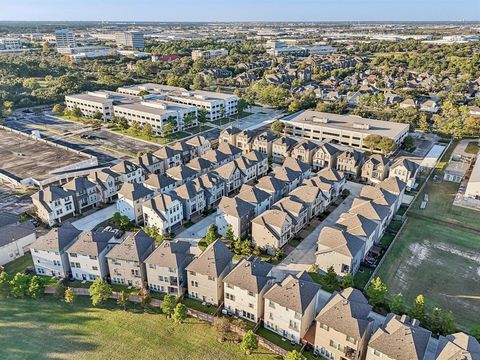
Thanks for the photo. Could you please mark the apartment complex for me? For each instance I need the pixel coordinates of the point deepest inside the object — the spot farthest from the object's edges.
(348, 130)
(208, 54)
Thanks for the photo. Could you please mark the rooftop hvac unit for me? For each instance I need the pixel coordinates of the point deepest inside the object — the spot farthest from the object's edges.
(320, 120)
(361, 126)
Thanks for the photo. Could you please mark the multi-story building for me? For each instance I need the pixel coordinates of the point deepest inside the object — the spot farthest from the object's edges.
(457, 346)
(206, 272)
(87, 255)
(234, 213)
(343, 326)
(129, 172)
(325, 157)
(263, 143)
(200, 144)
(64, 40)
(53, 204)
(272, 230)
(130, 200)
(245, 287)
(126, 260)
(405, 170)
(208, 54)
(290, 306)
(150, 163)
(312, 197)
(304, 151)
(375, 169)
(166, 267)
(181, 174)
(108, 183)
(160, 184)
(192, 198)
(282, 148)
(213, 187)
(130, 39)
(49, 251)
(349, 130)
(163, 213)
(85, 193)
(350, 163)
(15, 237)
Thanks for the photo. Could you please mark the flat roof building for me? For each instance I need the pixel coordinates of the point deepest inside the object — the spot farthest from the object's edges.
(130, 39)
(198, 54)
(348, 130)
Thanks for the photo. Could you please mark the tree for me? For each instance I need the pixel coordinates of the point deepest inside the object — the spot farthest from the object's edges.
(293, 355)
(241, 105)
(397, 304)
(180, 313)
(202, 115)
(475, 332)
(168, 305)
(98, 115)
(472, 125)
(222, 325)
(4, 284)
(249, 342)
(408, 143)
(418, 309)
(189, 119)
(376, 291)
(144, 297)
(36, 287)
(147, 131)
(58, 108)
(76, 112)
(331, 278)
(168, 128)
(229, 233)
(121, 221)
(123, 300)
(387, 145)
(211, 235)
(135, 128)
(19, 285)
(372, 141)
(70, 296)
(347, 281)
(143, 93)
(278, 127)
(60, 291)
(123, 123)
(99, 291)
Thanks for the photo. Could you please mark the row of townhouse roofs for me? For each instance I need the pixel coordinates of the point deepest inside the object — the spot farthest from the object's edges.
(324, 153)
(154, 104)
(339, 326)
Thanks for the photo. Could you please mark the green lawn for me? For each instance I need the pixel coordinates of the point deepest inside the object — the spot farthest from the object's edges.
(438, 261)
(276, 339)
(19, 265)
(48, 329)
(361, 277)
(197, 305)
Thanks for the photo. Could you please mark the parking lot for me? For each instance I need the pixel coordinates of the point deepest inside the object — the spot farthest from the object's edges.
(14, 202)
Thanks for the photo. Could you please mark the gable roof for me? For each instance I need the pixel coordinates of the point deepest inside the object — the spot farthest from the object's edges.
(135, 247)
(296, 165)
(250, 274)
(13, 232)
(411, 166)
(213, 260)
(57, 239)
(170, 254)
(7, 218)
(379, 196)
(235, 207)
(181, 172)
(187, 191)
(336, 240)
(458, 346)
(393, 185)
(49, 194)
(124, 167)
(294, 292)
(253, 194)
(228, 149)
(159, 181)
(400, 339)
(134, 191)
(91, 243)
(357, 225)
(78, 184)
(368, 209)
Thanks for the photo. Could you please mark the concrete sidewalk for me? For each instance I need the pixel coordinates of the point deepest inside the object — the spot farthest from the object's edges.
(197, 231)
(89, 222)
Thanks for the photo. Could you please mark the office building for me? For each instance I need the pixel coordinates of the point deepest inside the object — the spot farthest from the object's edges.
(130, 39)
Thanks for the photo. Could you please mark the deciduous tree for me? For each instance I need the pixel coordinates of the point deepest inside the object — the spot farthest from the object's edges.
(376, 291)
(168, 305)
(397, 304)
(249, 342)
(99, 291)
(180, 313)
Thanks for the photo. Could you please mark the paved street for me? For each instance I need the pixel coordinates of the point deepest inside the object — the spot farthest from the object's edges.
(90, 221)
(197, 231)
(303, 257)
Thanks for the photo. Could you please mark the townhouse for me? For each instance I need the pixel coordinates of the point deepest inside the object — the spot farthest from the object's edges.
(381, 197)
(232, 175)
(457, 346)
(258, 198)
(213, 187)
(160, 183)
(234, 213)
(360, 227)
(312, 197)
(282, 148)
(260, 160)
(340, 250)
(272, 229)
(15, 237)
(289, 177)
(131, 196)
(350, 163)
(405, 170)
(87, 255)
(200, 165)
(325, 156)
(216, 157)
(126, 260)
(372, 211)
(304, 151)
(394, 186)
(248, 169)
(85, 193)
(398, 338)
(343, 326)
(162, 213)
(297, 211)
(169, 156)
(298, 166)
(129, 172)
(192, 198)
(263, 143)
(108, 183)
(206, 272)
(229, 135)
(244, 140)
(187, 151)
(200, 144)
(231, 151)
(375, 169)
(333, 180)
(181, 174)
(291, 306)
(150, 163)
(245, 287)
(275, 187)
(166, 265)
(49, 254)
(53, 204)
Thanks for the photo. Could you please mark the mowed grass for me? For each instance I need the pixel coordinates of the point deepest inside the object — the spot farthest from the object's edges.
(441, 262)
(49, 329)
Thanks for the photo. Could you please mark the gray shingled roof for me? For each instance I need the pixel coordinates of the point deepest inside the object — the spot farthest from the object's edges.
(252, 194)
(393, 185)
(250, 274)
(213, 260)
(159, 181)
(13, 232)
(458, 346)
(346, 312)
(181, 172)
(134, 191)
(342, 242)
(411, 166)
(170, 254)
(294, 293)
(7, 218)
(136, 247)
(235, 206)
(78, 184)
(124, 167)
(357, 225)
(91, 243)
(379, 196)
(229, 149)
(166, 152)
(369, 209)
(296, 165)
(399, 339)
(50, 194)
(57, 239)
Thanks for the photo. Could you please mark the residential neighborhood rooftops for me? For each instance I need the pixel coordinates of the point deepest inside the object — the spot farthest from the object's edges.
(458, 346)
(213, 260)
(57, 239)
(170, 254)
(336, 240)
(235, 206)
(135, 247)
(134, 191)
(250, 274)
(12, 232)
(393, 185)
(7, 218)
(91, 243)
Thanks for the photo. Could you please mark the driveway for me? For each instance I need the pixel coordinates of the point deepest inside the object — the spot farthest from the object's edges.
(303, 257)
(197, 231)
(89, 222)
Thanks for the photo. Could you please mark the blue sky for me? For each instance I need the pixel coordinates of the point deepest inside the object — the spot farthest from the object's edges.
(241, 10)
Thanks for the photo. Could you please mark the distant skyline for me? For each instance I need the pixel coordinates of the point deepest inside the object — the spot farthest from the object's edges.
(240, 10)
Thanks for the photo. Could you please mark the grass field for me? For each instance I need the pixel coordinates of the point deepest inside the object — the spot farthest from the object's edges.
(48, 329)
(438, 254)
